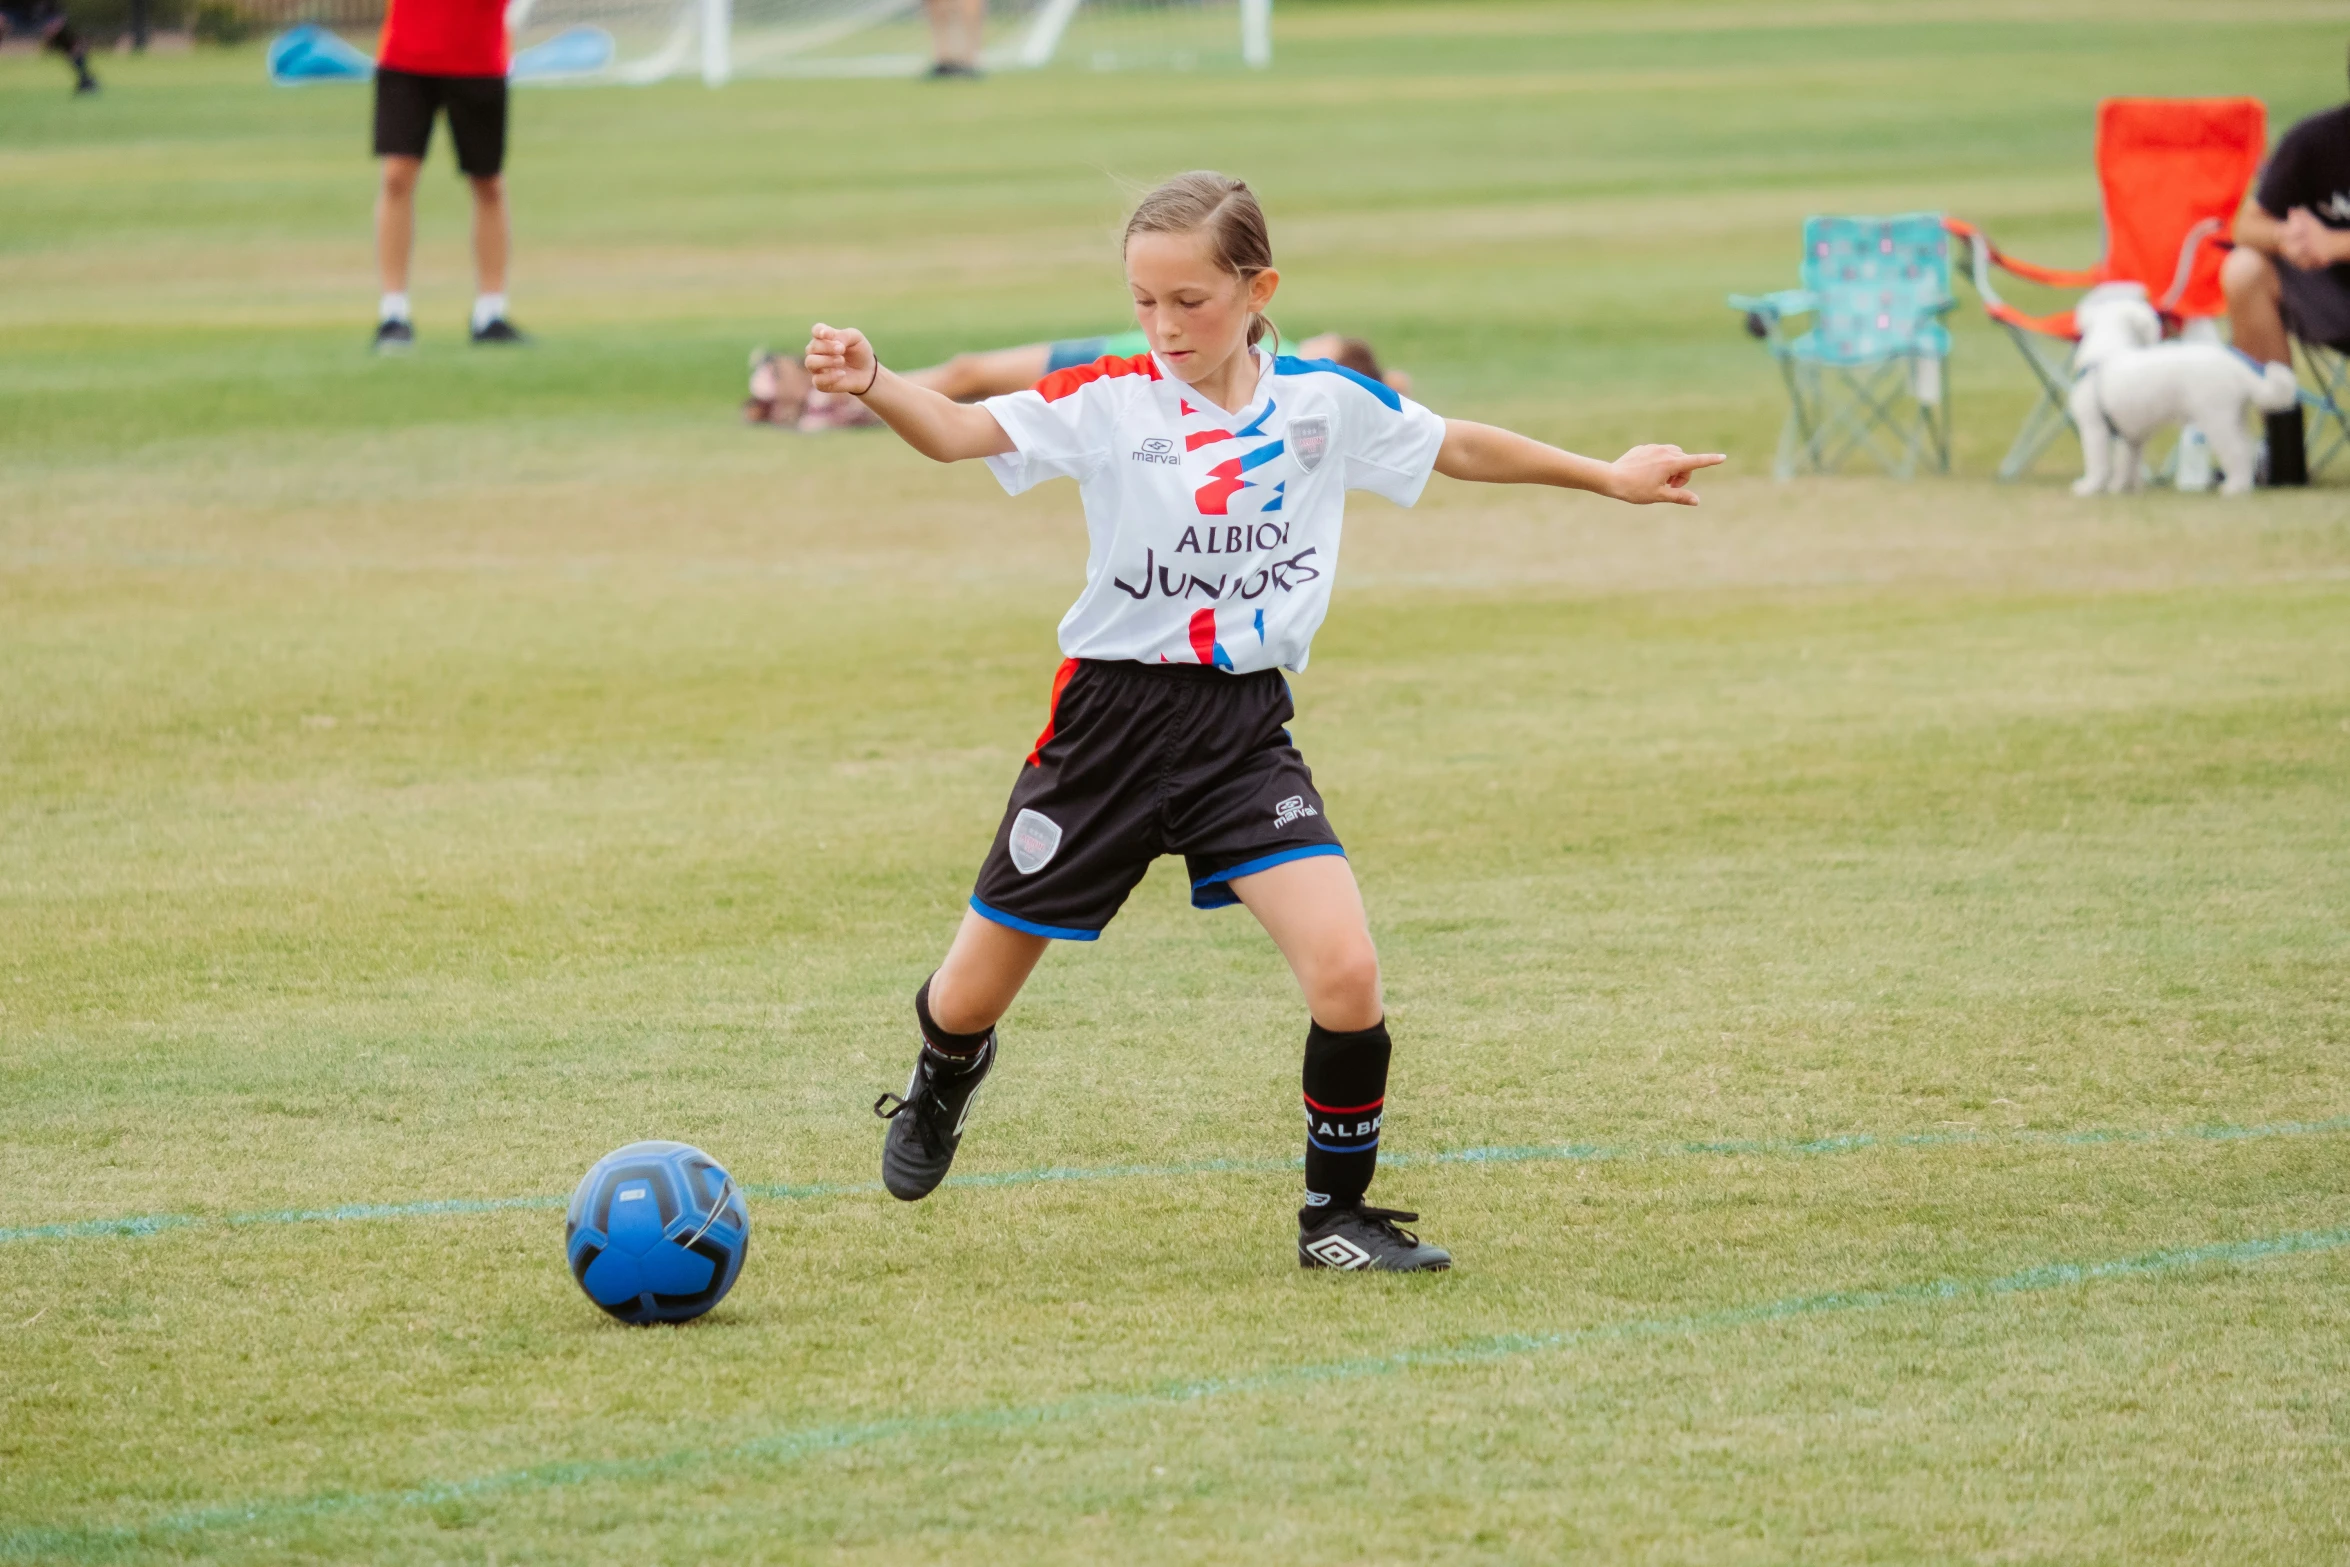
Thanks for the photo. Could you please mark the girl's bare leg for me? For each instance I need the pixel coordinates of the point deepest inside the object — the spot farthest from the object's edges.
(968, 377)
(1314, 913)
(1311, 908)
(983, 972)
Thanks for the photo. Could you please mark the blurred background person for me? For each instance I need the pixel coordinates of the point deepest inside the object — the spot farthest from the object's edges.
(442, 56)
(43, 20)
(780, 392)
(2290, 270)
(956, 33)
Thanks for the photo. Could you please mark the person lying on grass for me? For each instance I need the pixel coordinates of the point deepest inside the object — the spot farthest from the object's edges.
(782, 394)
(1214, 478)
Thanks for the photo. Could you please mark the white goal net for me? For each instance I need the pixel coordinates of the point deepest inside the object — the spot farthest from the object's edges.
(638, 41)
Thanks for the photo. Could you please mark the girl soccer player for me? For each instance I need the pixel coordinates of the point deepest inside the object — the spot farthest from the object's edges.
(1214, 476)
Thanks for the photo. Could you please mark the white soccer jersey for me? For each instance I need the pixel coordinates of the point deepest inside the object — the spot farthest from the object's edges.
(1214, 535)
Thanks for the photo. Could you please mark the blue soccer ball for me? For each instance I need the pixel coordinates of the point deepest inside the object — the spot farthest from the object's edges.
(657, 1232)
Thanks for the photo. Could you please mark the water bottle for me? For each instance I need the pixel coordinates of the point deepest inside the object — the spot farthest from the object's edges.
(2193, 473)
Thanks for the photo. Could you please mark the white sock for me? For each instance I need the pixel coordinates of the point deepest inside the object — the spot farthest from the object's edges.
(488, 308)
(393, 308)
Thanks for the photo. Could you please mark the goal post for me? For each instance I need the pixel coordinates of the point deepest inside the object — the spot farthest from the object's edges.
(640, 41)
(1044, 34)
(717, 22)
(1256, 34)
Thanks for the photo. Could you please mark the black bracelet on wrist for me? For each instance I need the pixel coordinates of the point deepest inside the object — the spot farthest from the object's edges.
(870, 385)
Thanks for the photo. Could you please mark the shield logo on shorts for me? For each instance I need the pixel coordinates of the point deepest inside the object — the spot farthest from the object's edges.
(1034, 838)
(1310, 439)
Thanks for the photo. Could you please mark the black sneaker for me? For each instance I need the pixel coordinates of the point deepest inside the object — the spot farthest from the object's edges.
(926, 1122)
(2284, 462)
(394, 337)
(500, 331)
(1365, 1239)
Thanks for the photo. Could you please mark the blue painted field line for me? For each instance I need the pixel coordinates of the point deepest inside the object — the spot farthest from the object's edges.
(785, 1447)
(1573, 1153)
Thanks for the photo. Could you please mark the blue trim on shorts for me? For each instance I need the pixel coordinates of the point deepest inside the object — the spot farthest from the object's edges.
(1071, 352)
(1215, 892)
(1015, 922)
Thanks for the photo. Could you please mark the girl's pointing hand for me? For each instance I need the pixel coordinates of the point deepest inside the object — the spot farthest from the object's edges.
(1652, 473)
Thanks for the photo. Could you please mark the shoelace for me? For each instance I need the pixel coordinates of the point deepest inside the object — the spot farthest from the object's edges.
(1391, 1220)
(927, 1117)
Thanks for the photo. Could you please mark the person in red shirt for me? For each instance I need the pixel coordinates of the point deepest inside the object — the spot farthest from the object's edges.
(442, 56)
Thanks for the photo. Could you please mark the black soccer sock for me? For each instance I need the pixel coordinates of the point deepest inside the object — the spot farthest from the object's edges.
(962, 1049)
(1346, 1093)
(2288, 462)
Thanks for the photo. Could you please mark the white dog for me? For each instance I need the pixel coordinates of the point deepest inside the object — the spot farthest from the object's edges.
(2129, 383)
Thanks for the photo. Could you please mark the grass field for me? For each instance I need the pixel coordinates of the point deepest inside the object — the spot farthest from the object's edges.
(1870, 962)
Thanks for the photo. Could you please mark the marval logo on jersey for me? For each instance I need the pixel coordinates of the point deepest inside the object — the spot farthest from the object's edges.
(1226, 479)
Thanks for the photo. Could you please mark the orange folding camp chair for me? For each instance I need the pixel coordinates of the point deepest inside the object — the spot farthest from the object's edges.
(2173, 172)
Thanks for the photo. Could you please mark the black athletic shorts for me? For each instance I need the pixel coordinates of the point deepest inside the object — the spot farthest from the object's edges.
(2317, 303)
(405, 103)
(1140, 760)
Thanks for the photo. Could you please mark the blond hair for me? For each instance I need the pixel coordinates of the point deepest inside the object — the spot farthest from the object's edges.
(1223, 209)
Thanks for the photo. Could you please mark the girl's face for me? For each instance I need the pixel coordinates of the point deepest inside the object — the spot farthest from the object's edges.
(1195, 313)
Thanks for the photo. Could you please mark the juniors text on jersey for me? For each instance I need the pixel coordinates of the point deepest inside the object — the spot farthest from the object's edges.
(1213, 536)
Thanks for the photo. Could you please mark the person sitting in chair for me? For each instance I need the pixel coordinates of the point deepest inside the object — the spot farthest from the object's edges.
(2290, 270)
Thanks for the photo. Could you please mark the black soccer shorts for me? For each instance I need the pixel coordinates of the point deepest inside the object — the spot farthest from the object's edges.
(406, 101)
(2316, 303)
(1140, 760)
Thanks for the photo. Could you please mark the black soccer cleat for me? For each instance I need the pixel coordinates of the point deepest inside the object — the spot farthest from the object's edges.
(926, 1123)
(1363, 1239)
(394, 337)
(500, 331)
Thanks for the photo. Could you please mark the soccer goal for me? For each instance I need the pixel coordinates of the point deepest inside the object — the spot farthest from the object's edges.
(637, 41)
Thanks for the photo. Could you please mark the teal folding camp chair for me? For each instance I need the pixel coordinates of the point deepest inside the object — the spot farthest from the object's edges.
(2328, 366)
(1866, 379)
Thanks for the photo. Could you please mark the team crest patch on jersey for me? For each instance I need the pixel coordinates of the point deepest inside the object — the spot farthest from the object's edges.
(1310, 439)
(1035, 839)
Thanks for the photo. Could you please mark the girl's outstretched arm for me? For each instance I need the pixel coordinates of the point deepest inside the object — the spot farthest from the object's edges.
(841, 360)
(1491, 455)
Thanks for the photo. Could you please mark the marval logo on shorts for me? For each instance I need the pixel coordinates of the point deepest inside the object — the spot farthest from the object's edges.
(1225, 480)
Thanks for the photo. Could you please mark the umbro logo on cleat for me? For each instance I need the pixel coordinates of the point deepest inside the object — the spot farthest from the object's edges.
(1336, 1251)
